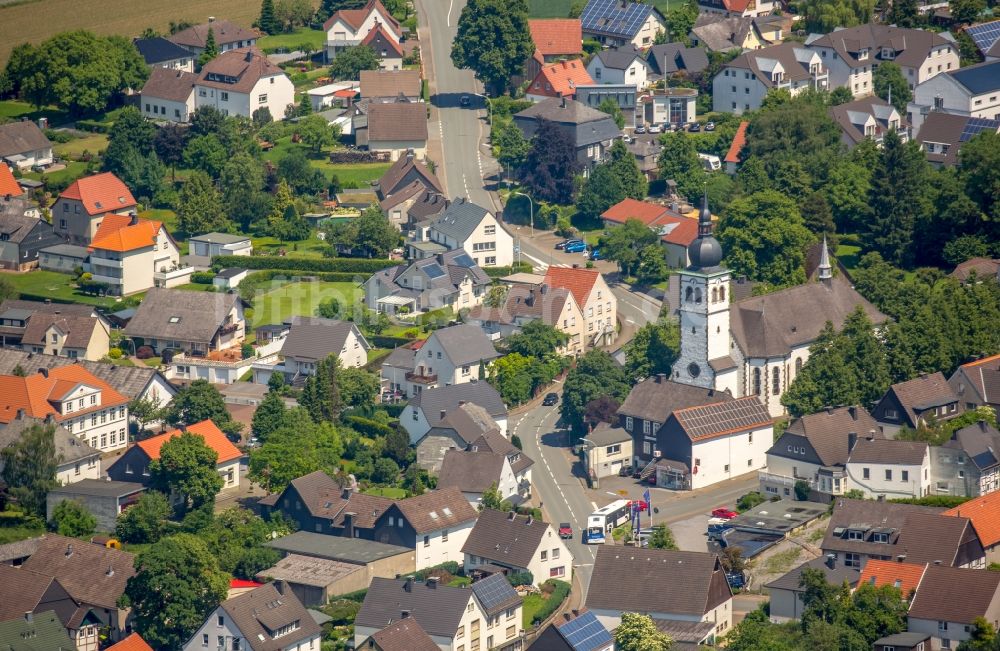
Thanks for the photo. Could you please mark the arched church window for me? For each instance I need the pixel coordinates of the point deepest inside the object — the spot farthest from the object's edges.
(776, 380)
(756, 381)
(688, 293)
(715, 295)
(697, 295)
(722, 293)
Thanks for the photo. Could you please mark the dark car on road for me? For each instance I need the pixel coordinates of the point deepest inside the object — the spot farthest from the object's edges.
(565, 530)
(550, 399)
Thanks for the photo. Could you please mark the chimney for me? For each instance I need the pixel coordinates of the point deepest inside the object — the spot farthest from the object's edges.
(133, 219)
(404, 614)
(443, 414)
(249, 56)
(44, 371)
(852, 440)
(211, 19)
(831, 561)
(853, 411)
(432, 582)
(562, 103)
(111, 571)
(28, 617)
(511, 516)
(408, 584)
(349, 523)
(829, 409)
(661, 378)
(69, 550)
(900, 558)
(279, 585)
(871, 435)
(345, 493)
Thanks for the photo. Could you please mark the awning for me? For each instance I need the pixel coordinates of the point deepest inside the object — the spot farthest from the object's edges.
(395, 300)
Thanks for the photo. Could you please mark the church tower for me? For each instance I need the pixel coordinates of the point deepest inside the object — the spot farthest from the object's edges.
(704, 307)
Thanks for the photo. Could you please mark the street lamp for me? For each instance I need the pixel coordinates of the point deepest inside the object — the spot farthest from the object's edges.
(531, 210)
(518, 247)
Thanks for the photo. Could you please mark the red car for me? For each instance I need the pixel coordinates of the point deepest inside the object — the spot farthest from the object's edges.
(723, 512)
(565, 530)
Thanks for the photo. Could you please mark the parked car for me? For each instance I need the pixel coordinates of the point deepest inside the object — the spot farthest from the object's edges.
(565, 530)
(625, 471)
(736, 580)
(716, 527)
(464, 101)
(628, 139)
(655, 128)
(550, 399)
(575, 247)
(724, 513)
(565, 243)
(710, 126)
(640, 128)
(695, 127)
(596, 255)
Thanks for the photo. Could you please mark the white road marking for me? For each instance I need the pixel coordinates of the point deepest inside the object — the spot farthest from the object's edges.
(593, 504)
(448, 17)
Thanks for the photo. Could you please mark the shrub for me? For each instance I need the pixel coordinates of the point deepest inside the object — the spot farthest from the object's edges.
(367, 427)
(559, 592)
(115, 353)
(448, 567)
(386, 341)
(521, 578)
(500, 272)
(944, 501)
(351, 265)
(750, 500)
(145, 352)
(203, 277)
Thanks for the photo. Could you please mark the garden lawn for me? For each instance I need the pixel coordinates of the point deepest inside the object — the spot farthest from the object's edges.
(532, 604)
(311, 248)
(548, 9)
(303, 37)
(72, 171)
(16, 109)
(351, 175)
(74, 149)
(54, 285)
(391, 493)
(300, 298)
(14, 534)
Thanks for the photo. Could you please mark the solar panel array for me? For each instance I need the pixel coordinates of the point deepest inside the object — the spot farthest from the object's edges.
(975, 125)
(585, 633)
(494, 591)
(609, 16)
(985, 35)
(463, 260)
(434, 271)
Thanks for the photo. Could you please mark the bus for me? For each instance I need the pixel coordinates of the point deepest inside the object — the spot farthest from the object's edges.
(603, 520)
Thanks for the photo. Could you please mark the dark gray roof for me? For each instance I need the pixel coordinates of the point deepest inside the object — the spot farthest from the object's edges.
(438, 610)
(922, 393)
(792, 56)
(506, 539)
(465, 344)
(888, 452)
(470, 472)
(75, 309)
(231, 272)
(403, 635)
(492, 440)
(18, 549)
(401, 357)
(620, 58)
(685, 634)
(433, 401)
(336, 548)
(605, 434)
(389, 183)
(828, 432)
(719, 33)
(221, 238)
(68, 250)
(948, 129)
(199, 315)
(655, 398)
(21, 137)
(954, 594)
(69, 448)
(158, 49)
(15, 226)
(43, 633)
(553, 109)
(911, 46)
(460, 219)
(834, 576)
(980, 441)
(669, 58)
(903, 639)
(99, 488)
(316, 338)
(852, 116)
(469, 421)
(495, 593)
(260, 612)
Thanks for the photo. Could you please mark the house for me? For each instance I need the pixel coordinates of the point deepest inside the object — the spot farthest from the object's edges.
(80, 209)
(390, 85)
(735, 154)
(23, 145)
(869, 117)
(410, 193)
(349, 27)
(596, 301)
(72, 397)
(386, 47)
(94, 577)
(624, 95)
(168, 94)
(676, 230)
(861, 530)
(948, 602)
(456, 429)
(509, 543)
(132, 255)
(340, 93)
(454, 355)
(815, 448)
(268, 618)
(490, 460)
(591, 131)
(159, 52)
(133, 466)
(230, 278)
(983, 512)
(243, 81)
(132, 643)
(671, 106)
(210, 245)
(403, 173)
(608, 450)
(105, 500)
(64, 258)
(736, 8)
(22, 236)
(786, 591)
(10, 189)
(449, 279)
(982, 268)
(558, 79)
(914, 402)
(575, 631)
(525, 303)
(554, 39)
(310, 340)
(850, 55)
(485, 615)
(76, 460)
(743, 83)
(395, 128)
(431, 407)
(774, 27)
(942, 135)
(903, 642)
(68, 330)
(228, 36)
(468, 226)
(42, 632)
(669, 59)
(903, 576)
(718, 34)
(970, 91)
(194, 322)
(892, 469)
(701, 594)
(402, 635)
(977, 384)
(968, 463)
(621, 65)
(620, 22)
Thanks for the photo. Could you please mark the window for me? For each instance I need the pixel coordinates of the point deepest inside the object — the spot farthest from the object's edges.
(852, 560)
(726, 468)
(881, 538)
(775, 380)
(545, 555)
(224, 96)
(628, 423)
(756, 381)
(557, 571)
(262, 98)
(490, 261)
(204, 639)
(942, 626)
(555, 553)
(866, 473)
(905, 475)
(221, 621)
(647, 448)
(444, 536)
(645, 427)
(888, 474)
(104, 441)
(427, 541)
(490, 229)
(613, 449)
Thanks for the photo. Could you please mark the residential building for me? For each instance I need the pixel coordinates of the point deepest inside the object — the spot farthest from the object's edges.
(815, 448)
(526, 303)
(983, 511)
(903, 576)
(76, 460)
(977, 384)
(986, 35)
(406, 171)
(883, 468)
(454, 355)
(861, 530)
(22, 234)
(23, 145)
(243, 81)
(396, 128)
(967, 464)
(677, 231)
(409, 193)
(715, 33)
(268, 618)
(608, 450)
(391, 85)
(489, 460)
(948, 602)
(983, 268)
(576, 631)
(337, 94)
(786, 591)
(449, 279)
(10, 189)
(104, 499)
(159, 52)
(228, 36)
(80, 209)
(743, 83)
(74, 398)
(132, 255)
(430, 408)
(210, 245)
(972, 91)
(386, 47)
(851, 54)
(402, 635)
(702, 595)
(168, 94)
(468, 226)
(621, 65)
(669, 59)
(942, 135)
(624, 95)
(558, 79)
(671, 106)
(868, 118)
(41, 632)
(195, 322)
(508, 543)
(310, 340)
(554, 39)
(597, 303)
(620, 22)
(64, 258)
(456, 428)
(349, 27)
(914, 402)
(591, 131)
(133, 466)
(903, 642)
(131, 643)
(71, 330)
(736, 8)
(774, 27)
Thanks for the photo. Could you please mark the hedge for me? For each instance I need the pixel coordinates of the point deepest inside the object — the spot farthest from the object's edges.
(367, 427)
(94, 126)
(500, 272)
(352, 265)
(945, 501)
(326, 276)
(560, 590)
(203, 277)
(387, 341)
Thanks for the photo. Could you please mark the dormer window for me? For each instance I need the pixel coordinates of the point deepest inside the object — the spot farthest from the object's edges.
(888, 53)
(855, 534)
(881, 538)
(863, 54)
(776, 77)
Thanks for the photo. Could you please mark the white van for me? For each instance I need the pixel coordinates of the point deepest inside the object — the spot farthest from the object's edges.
(710, 162)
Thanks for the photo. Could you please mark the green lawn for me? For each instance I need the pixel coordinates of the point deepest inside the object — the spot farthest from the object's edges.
(14, 534)
(313, 39)
(311, 248)
(532, 604)
(548, 9)
(72, 171)
(351, 175)
(74, 149)
(300, 298)
(391, 493)
(55, 285)
(16, 109)
(848, 255)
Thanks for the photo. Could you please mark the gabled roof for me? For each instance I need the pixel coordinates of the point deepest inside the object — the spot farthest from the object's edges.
(911, 46)
(904, 576)
(100, 193)
(8, 184)
(508, 539)
(316, 338)
(238, 70)
(953, 594)
(325, 498)
(214, 438)
(169, 84)
(889, 452)
(650, 214)
(852, 117)
(224, 31)
(656, 398)
(158, 50)
(92, 574)
(16, 227)
(963, 271)
(620, 58)
(616, 17)
(579, 282)
(922, 393)
(261, 612)
(495, 593)
(382, 42)
(556, 36)
(460, 220)
(24, 591)
(984, 375)
(836, 575)
(564, 111)
(828, 432)
(560, 79)
(390, 83)
(709, 421)
(406, 121)
(68, 447)
(719, 34)
(433, 401)
(43, 633)
(177, 315)
(468, 420)
(130, 381)
(668, 58)
(791, 56)
(21, 137)
(952, 131)
(122, 233)
(465, 344)
(984, 512)
(356, 17)
(437, 509)
(403, 635)
(438, 609)
(981, 441)
(132, 643)
(36, 393)
(390, 181)
(739, 141)
(470, 472)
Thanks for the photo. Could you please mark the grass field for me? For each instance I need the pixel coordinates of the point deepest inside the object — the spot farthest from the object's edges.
(314, 39)
(351, 175)
(16, 109)
(72, 172)
(74, 149)
(300, 298)
(55, 285)
(532, 604)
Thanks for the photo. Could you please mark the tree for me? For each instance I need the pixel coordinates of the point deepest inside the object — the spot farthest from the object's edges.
(752, 177)
(267, 22)
(818, 218)
(610, 182)
(376, 236)
(358, 387)
(316, 132)
(352, 60)
(536, 339)
(638, 633)
(899, 198)
(980, 170)
(679, 161)
(905, 13)
(196, 402)
(397, 445)
(294, 13)
(623, 244)
(510, 147)
(180, 566)
(491, 500)
(295, 169)
(966, 11)
(206, 153)
(236, 537)
(652, 265)
(386, 471)
(653, 349)
(983, 637)
(269, 416)
(145, 521)
(823, 16)
(143, 173)
(596, 374)
(321, 394)
(261, 117)
(242, 181)
(211, 49)
(552, 163)
(610, 106)
(144, 411)
(199, 206)
(130, 133)
(842, 94)
(284, 221)
(187, 470)
(30, 466)
(71, 518)
(888, 78)
(802, 490)
(511, 375)
(493, 40)
(662, 538)
(300, 446)
(964, 248)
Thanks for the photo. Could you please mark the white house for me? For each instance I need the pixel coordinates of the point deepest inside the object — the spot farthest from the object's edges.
(24, 145)
(621, 23)
(168, 94)
(743, 83)
(947, 602)
(454, 355)
(519, 544)
(239, 82)
(349, 27)
(133, 255)
(468, 226)
(888, 468)
(328, 95)
(972, 91)
(489, 460)
(76, 459)
(624, 65)
(597, 303)
(428, 408)
(310, 340)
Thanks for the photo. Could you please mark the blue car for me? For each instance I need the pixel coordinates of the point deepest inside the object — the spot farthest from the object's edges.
(596, 255)
(575, 247)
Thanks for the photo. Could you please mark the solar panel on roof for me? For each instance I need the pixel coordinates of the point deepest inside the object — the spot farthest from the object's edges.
(493, 590)
(975, 125)
(985, 35)
(433, 271)
(463, 260)
(585, 632)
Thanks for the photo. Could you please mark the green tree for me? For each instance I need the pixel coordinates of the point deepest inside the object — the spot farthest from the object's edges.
(610, 106)
(652, 265)
(187, 470)
(624, 243)
(510, 147)
(321, 394)
(131, 133)
(300, 446)
(143, 174)
(296, 170)
(316, 132)
(888, 77)
(983, 637)
(206, 153)
(536, 339)
(980, 170)
(511, 375)
(283, 213)
(386, 471)
(145, 521)
(180, 566)
(294, 13)
(242, 182)
(905, 13)
(358, 387)
(493, 40)
(269, 416)
(267, 22)
(196, 402)
(653, 349)
(376, 236)
(144, 411)
(966, 11)
(596, 374)
(491, 500)
(211, 49)
(662, 538)
(352, 60)
(610, 182)
(818, 218)
(71, 518)
(552, 163)
(638, 633)
(199, 206)
(236, 538)
(397, 446)
(965, 247)
(752, 177)
(29, 467)
(823, 16)
(680, 21)
(899, 198)
(842, 94)
(679, 161)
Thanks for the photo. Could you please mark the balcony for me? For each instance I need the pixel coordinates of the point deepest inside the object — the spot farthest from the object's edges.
(111, 280)
(420, 378)
(107, 262)
(167, 277)
(229, 328)
(782, 480)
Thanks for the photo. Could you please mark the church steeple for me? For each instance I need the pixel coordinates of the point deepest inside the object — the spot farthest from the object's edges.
(705, 252)
(825, 270)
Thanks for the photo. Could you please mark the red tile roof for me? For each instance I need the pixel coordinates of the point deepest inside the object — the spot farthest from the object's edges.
(905, 576)
(556, 36)
(214, 438)
(118, 233)
(739, 140)
(579, 282)
(648, 213)
(8, 184)
(736, 6)
(36, 393)
(980, 362)
(100, 193)
(356, 17)
(560, 79)
(685, 232)
(984, 512)
(132, 643)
